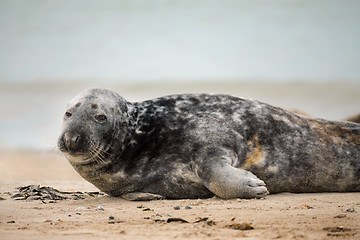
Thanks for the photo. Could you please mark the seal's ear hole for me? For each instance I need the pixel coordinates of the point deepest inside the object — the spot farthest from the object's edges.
(101, 118)
(68, 114)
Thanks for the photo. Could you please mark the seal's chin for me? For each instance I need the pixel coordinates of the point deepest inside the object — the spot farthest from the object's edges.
(79, 159)
(73, 156)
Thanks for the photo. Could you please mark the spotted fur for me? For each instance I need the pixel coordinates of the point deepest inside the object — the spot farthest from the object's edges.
(198, 146)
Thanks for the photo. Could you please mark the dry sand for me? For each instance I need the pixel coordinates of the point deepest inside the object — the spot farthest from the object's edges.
(279, 216)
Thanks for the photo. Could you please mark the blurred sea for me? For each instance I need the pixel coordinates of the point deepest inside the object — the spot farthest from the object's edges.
(147, 40)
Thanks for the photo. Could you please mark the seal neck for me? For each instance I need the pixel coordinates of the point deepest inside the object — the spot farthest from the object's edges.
(128, 126)
(134, 135)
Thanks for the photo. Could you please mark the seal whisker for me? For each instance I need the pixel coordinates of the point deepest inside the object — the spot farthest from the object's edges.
(99, 156)
(97, 153)
(88, 156)
(93, 154)
(103, 154)
(104, 149)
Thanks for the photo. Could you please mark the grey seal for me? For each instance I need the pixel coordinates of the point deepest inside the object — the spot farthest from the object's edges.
(201, 145)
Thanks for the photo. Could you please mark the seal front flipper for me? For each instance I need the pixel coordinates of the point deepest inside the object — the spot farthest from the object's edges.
(226, 181)
(140, 196)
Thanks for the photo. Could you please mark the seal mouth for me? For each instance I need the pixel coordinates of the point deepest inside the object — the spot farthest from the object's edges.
(95, 153)
(79, 159)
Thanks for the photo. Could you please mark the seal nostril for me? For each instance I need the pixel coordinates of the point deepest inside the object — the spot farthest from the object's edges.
(72, 141)
(76, 138)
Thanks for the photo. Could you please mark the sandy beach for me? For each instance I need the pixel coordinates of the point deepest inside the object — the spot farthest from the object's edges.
(279, 216)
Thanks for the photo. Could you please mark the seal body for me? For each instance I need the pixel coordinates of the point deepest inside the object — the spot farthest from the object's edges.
(198, 146)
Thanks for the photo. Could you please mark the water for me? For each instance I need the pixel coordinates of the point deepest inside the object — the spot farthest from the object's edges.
(146, 40)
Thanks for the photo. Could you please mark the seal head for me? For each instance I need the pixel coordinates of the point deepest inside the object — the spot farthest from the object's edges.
(89, 122)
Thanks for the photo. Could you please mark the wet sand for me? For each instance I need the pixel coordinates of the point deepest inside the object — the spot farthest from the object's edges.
(278, 216)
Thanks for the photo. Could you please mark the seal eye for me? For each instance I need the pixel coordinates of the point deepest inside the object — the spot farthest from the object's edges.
(101, 118)
(68, 114)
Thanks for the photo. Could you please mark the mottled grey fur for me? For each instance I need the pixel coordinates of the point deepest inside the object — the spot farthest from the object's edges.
(198, 146)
